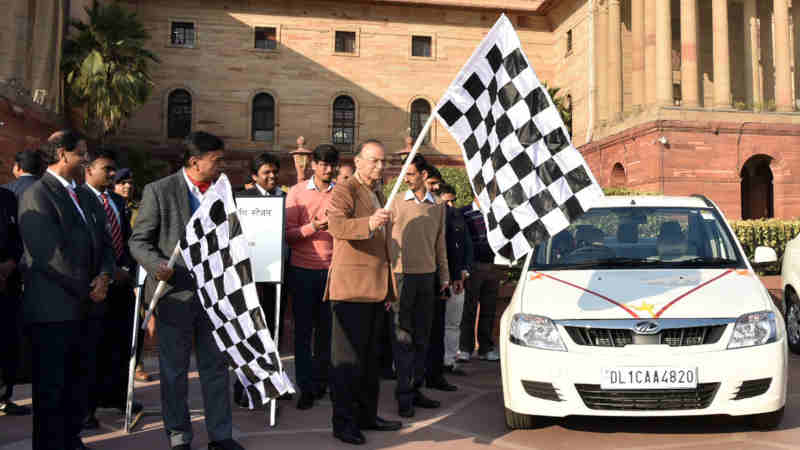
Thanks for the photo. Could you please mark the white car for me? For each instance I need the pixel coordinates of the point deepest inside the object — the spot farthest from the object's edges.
(790, 282)
(643, 306)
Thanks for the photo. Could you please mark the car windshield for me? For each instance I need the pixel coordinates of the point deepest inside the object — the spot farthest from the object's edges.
(641, 238)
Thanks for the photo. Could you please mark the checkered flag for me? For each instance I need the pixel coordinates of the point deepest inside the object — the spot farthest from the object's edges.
(216, 252)
(530, 181)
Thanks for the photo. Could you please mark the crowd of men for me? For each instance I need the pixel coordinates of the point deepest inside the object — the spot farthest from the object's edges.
(376, 291)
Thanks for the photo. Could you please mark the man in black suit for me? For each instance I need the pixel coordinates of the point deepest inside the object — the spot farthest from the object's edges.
(264, 170)
(66, 266)
(10, 253)
(110, 322)
(28, 167)
(167, 205)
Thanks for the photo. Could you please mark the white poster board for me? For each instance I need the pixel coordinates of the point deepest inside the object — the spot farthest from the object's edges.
(263, 222)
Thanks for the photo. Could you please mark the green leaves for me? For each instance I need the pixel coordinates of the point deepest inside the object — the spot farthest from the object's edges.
(773, 233)
(105, 67)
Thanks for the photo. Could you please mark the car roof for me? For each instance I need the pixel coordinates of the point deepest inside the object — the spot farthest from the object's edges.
(649, 201)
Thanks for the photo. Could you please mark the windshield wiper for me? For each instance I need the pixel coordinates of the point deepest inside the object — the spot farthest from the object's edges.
(703, 261)
(607, 262)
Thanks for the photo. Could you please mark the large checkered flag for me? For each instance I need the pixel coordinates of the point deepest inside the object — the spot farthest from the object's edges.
(530, 181)
(216, 252)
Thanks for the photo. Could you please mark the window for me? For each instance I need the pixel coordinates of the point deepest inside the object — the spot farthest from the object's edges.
(179, 114)
(345, 42)
(421, 46)
(569, 41)
(263, 118)
(266, 38)
(182, 34)
(344, 120)
(420, 112)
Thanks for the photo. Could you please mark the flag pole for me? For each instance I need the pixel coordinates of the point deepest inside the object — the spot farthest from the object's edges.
(409, 158)
(162, 286)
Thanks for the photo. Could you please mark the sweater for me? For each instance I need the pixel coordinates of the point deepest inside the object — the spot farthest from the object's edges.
(418, 238)
(310, 249)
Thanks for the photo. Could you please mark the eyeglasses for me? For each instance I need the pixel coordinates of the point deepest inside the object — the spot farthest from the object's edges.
(375, 161)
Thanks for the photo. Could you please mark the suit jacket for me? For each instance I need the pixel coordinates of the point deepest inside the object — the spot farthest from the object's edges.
(160, 224)
(19, 185)
(360, 267)
(10, 242)
(63, 254)
(459, 243)
(254, 192)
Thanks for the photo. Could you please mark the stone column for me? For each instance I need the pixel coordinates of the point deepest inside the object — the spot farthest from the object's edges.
(614, 62)
(722, 58)
(663, 53)
(751, 53)
(689, 70)
(783, 70)
(637, 54)
(650, 51)
(602, 63)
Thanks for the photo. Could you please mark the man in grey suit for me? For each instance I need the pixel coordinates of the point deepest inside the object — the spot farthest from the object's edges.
(167, 205)
(66, 266)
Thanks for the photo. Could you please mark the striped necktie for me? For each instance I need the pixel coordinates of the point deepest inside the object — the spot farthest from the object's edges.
(113, 225)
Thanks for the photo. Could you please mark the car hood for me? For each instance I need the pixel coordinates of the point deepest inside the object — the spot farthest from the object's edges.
(626, 294)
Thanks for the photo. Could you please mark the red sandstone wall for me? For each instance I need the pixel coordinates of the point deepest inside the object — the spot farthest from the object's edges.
(21, 128)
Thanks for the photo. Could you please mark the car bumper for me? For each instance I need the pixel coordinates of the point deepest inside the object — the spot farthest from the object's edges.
(567, 371)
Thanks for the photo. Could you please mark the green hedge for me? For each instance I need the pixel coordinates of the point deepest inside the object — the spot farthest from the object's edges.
(454, 176)
(773, 233)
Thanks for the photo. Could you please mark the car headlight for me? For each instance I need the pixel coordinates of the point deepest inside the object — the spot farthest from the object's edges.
(535, 331)
(753, 329)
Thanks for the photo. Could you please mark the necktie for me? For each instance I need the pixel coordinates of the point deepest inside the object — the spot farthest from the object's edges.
(77, 203)
(113, 224)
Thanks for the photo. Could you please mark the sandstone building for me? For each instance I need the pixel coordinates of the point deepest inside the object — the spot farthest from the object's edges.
(674, 96)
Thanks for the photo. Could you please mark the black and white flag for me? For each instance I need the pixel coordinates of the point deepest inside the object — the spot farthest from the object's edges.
(529, 179)
(216, 252)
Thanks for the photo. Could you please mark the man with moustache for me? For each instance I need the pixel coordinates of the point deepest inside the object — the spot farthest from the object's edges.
(66, 266)
(264, 171)
(167, 206)
(312, 247)
(360, 284)
(110, 322)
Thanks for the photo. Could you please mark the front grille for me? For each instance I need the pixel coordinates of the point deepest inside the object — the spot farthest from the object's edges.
(647, 399)
(674, 337)
(541, 390)
(752, 388)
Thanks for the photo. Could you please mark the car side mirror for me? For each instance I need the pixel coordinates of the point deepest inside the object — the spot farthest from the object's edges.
(764, 256)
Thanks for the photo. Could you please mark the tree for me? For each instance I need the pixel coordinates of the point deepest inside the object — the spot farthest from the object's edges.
(105, 68)
(562, 105)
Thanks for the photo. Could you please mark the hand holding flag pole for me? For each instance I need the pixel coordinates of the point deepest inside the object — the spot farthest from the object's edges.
(407, 163)
(161, 287)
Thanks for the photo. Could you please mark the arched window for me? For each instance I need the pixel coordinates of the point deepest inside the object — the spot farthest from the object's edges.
(618, 176)
(757, 188)
(263, 118)
(420, 112)
(344, 120)
(179, 114)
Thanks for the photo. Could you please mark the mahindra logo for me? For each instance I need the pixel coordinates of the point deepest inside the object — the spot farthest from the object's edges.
(646, 328)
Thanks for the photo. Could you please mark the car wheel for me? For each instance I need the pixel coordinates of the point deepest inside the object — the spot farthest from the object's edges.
(516, 421)
(793, 321)
(767, 421)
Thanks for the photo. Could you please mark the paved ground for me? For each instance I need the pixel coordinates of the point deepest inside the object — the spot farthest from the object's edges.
(470, 418)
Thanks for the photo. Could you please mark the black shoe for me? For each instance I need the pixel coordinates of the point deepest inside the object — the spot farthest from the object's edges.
(136, 407)
(383, 425)
(405, 410)
(227, 444)
(320, 392)
(91, 423)
(350, 437)
(442, 385)
(182, 447)
(286, 396)
(453, 370)
(306, 400)
(12, 409)
(425, 402)
(77, 444)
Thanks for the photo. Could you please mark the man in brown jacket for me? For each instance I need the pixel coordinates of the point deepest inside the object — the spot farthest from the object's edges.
(360, 284)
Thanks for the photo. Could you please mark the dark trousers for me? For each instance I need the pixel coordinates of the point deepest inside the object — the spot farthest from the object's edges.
(267, 293)
(355, 350)
(481, 288)
(312, 320)
(434, 365)
(60, 374)
(387, 355)
(10, 334)
(412, 328)
(110, 339)
(174, 349)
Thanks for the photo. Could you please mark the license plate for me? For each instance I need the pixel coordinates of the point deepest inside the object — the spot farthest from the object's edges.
(643, 377)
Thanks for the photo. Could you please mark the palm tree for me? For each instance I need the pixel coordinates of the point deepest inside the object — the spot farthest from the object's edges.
(105, 67)
(562, 105)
